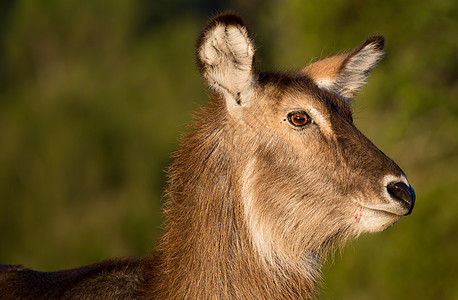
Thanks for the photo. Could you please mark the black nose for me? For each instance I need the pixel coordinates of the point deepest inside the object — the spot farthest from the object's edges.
(402, 193)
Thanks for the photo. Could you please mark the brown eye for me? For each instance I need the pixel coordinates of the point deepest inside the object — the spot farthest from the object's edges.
(298, 118)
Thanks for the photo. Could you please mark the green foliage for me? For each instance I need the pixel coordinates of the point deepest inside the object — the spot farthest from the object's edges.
(93, 97)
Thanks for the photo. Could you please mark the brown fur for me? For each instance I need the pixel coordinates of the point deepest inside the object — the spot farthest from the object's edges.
(111, 279)
(254, 202)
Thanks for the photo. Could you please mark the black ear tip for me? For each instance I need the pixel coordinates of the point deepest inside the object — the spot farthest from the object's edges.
(377, 40)
(227, 18)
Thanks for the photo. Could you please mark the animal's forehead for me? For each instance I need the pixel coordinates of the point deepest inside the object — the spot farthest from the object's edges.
(291, 89)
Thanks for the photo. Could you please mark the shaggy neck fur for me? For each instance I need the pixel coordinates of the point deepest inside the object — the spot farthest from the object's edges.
(207, 251)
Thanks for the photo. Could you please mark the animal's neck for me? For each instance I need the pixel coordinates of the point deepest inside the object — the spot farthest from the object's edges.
(206, 250)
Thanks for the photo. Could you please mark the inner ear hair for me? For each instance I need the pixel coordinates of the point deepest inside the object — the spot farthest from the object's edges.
(225, 57)
(346, 74)
(357, 66)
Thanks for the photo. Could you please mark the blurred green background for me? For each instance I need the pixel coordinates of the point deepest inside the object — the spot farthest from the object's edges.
(94, 95)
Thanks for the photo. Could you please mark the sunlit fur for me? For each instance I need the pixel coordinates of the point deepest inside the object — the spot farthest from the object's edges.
(346, 74)
(264, 201)
(254, 203)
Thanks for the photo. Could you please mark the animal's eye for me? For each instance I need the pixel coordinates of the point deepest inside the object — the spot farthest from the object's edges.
(298, 118)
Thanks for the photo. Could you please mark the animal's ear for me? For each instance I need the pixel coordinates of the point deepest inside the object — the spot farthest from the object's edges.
(345, 74)
(225, 58)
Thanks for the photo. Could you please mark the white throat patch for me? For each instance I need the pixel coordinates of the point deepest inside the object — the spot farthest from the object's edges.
(260, 238)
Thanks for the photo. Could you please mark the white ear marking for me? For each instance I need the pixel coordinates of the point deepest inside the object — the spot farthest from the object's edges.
(225, 56)
(325, 83)
(354, 75)
(346, 74)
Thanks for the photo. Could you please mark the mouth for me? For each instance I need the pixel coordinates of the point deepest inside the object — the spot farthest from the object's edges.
(389, 208)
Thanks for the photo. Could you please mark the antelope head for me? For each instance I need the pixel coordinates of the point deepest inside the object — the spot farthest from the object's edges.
(308, 178)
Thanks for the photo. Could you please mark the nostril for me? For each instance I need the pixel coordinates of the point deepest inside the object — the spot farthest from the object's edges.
(403, 193)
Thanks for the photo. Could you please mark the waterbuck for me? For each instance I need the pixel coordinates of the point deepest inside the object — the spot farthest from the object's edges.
(274, 175)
